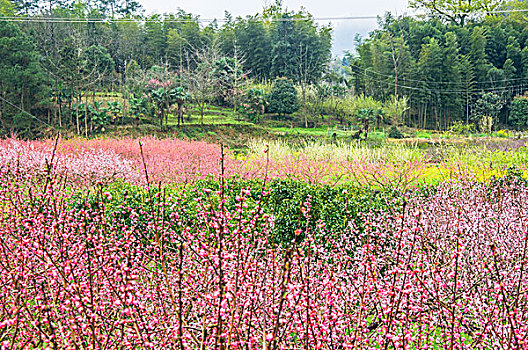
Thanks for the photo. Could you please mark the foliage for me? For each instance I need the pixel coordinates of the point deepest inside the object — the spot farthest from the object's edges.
(456, 11)
(395, 133)
(283, 97)
(519, 112)
(23, 85)
(138, 106)
(443, 69)
(440, 65)
(300, 50)
(486, 110)
(7, 8)
(180, 96)
(96, 116)
(461, 128)
(162, 95)
(230, 76)
(368, 111)
(394, 109)
(253, 103)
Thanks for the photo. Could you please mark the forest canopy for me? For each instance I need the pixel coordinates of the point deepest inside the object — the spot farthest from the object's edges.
(460, 62)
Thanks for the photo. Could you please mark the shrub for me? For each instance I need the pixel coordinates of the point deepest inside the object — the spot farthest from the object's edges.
(519, 112)
(395, 133)
(461, 128)
(253, 104)
(486, 111)
(335, 206)
(283, 97)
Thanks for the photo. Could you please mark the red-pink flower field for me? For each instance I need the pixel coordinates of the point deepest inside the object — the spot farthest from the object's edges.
(171, 160)
(445, 270)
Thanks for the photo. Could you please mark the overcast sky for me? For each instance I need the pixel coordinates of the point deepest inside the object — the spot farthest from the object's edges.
(344, 31)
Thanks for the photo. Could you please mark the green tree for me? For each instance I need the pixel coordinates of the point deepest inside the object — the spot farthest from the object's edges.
(97, 59)
(254, 41)
(430, 67)
(159, 95)
(514, 53)
(477, 54)
(453, 104)
(524, 62)
(367, 111)
(180, 96)
(23, 85)
(486, 110)
(155, 40)
(184, 39)
(394, 109)
(283, 97)
(7, 8)
(126, 46)
(301, 50)
(229, 76)
(456, 11)
(519, 112)
(253, 103)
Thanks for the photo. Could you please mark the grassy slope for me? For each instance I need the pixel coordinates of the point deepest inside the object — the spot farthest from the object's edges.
(222, 125)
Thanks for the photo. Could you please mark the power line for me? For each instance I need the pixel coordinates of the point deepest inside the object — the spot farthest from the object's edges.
(446, 82)
(173, 20)
(170, 19)
(444, 91)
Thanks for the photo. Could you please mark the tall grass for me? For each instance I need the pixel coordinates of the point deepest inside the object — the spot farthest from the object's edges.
(339, 151)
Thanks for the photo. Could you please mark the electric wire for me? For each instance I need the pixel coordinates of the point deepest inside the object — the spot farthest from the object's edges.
(171, 19)
(29, 114)
(447, 82)
(442, 91)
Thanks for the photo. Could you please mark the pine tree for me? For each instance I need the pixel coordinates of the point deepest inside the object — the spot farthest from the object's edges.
(23, 90)
(283, 97)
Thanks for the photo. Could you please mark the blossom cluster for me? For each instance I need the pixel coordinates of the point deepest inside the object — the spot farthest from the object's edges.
(173, 160)
(156, 84)
(84, 166)
(446, 271)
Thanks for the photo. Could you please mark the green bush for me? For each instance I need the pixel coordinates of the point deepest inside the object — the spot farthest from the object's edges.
(283, 97)
(333, 207)
(519, 112)
(253, 104)
(461, 128)
(395, 133)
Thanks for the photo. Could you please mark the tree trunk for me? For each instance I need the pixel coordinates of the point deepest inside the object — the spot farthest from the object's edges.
(77, 116)
(60, 114)
(180, 113)
(425, 116)
(304, 103)
(1, 121)
(86, 119)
